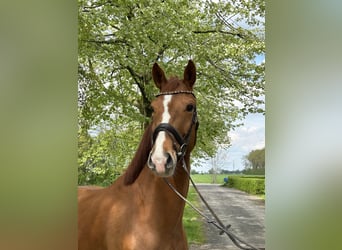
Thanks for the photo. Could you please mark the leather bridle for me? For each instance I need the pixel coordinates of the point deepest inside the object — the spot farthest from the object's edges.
(166, 127)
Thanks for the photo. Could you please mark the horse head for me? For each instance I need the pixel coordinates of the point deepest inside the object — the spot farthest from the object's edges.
(174, 120)
(172, 132)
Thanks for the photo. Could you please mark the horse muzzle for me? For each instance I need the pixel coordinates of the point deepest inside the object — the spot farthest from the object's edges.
(163, 165)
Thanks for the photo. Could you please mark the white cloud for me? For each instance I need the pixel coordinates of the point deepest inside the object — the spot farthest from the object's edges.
(234, 136)
(249, 137)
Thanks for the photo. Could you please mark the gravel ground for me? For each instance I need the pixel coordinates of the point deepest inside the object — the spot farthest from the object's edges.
(245, 213)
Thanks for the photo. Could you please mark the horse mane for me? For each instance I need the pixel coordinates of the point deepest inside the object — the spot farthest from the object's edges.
(140, 158)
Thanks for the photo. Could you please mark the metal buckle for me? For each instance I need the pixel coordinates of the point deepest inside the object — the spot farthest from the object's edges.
(182, 150)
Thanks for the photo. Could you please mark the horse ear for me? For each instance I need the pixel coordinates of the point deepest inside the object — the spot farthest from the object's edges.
(140, 158)
(190, 74)
(158, 75)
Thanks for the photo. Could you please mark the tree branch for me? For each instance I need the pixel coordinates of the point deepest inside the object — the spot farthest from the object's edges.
(95, 6)
(161, 52)
(139, 80)
(218, 31)
(117, 41)
(135, 76)
(224, 73)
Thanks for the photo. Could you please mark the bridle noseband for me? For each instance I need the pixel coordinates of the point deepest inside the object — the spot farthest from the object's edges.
(183, 142)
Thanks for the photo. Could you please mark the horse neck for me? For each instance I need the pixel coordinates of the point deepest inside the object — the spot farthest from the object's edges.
(180, 179)
(159, 197)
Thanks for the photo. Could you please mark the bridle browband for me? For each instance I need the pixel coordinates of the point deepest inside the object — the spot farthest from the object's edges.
(166, 127)
(176, 92)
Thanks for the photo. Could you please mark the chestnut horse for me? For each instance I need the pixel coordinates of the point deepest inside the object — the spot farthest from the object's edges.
(139, 210)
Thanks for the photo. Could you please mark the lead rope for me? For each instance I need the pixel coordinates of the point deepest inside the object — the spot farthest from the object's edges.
(217, 222)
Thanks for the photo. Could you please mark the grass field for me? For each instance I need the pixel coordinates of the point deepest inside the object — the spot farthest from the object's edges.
(208, 178)
(193, 223)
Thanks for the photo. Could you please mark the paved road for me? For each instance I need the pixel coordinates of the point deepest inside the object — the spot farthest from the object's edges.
(245, 213)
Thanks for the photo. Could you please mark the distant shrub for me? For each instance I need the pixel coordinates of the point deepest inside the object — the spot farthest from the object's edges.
(249, 184)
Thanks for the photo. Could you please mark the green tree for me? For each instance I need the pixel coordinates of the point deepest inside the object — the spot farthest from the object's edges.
(120, 40)
(255, 161)
(103, 156)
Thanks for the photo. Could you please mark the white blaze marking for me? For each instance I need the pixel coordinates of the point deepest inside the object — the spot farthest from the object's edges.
(158, 156)
(166, 115)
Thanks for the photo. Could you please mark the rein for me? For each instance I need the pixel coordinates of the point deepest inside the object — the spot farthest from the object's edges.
(217, 222)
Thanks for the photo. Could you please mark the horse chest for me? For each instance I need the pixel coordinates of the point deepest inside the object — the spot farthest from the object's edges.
(142, 228)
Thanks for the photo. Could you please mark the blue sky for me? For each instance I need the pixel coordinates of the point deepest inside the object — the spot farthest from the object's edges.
(244, 139)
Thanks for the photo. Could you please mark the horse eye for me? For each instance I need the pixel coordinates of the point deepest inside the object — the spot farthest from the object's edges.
(189, 107)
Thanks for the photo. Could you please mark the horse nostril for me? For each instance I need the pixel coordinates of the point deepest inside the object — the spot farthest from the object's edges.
(169, 161)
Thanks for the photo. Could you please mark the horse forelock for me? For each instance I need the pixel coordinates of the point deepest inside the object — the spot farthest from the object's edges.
(173, 84)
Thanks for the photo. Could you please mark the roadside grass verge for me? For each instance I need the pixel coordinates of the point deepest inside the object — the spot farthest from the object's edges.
(192, 222)
(208, 178)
